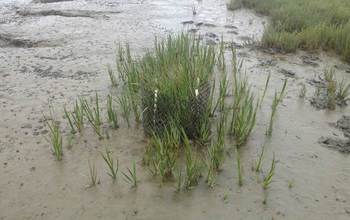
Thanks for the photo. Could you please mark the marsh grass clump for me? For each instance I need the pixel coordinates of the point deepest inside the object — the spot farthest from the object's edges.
(130, 176)
(306, 24)
(276, 101)
(76, 118)
(244, 109)
(259, 163)
(93, 115)
(172, 82)
(112, 167)
(112, 113)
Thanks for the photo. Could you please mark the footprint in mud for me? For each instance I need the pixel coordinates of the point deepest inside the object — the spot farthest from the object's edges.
(342, 145)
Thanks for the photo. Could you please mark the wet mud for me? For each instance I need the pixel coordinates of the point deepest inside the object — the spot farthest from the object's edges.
(52, 53)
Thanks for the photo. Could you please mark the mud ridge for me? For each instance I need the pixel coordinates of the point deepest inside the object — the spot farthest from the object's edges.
(8, 40)
(342, 145)
(66, 13)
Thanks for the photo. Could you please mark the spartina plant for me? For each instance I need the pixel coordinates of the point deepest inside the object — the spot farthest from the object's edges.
(331, 94)
(112, 167)
(222, 93)
(92, 173)
(112, 113)
(193, 171)
(179, 180)
(135, 105)
(239, 167)
(67, 115)
(265, 89)
(268, 178)
(276, 101)
(93, 115)
(112, 76)
(55, 138)
(130, 176)
(125, 105)
(259, 163)
(343, 92)
(221, 56)
(243, 113)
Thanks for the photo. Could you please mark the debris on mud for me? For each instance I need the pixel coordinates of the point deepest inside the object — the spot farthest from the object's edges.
(342, 145)
(287, 73)
(66, 13)
(310, 60)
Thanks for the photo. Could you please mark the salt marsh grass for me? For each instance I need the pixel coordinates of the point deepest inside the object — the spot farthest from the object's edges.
(112, 167)
(55, 138)
(306, 24)
(130, 176)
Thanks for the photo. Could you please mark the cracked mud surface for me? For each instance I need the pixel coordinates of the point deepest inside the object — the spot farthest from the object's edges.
(47, 56)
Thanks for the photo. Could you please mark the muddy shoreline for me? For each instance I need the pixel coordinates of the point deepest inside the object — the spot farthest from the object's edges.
(51, 53)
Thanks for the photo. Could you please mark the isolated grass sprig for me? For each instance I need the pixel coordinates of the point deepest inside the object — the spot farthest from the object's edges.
(113, 168)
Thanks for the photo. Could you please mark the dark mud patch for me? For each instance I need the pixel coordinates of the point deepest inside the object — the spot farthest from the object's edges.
(8, 40)
(66, 13)
(342, 145)
(288, 73)
(311, 60)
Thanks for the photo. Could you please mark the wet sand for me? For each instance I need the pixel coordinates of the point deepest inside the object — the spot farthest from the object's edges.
(52, 53)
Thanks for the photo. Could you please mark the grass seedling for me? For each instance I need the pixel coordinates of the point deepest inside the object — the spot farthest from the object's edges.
(112, 76)
(276, 101)
(130, 175)
(56, 138)
(258, 164)
(222, 93)
(93, 115)
(265, 89)
(331, 94)
(124, 103)
(239, 167)
(268, 178)
(112, 113)
(134, 102)
(92, 174)
(113, 169)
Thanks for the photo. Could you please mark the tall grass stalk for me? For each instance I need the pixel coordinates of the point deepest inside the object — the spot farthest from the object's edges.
(93, 115)
(259, 163)
(265, 89)
(112, 113)
(276, 101)
(124, 103)
(112, 76)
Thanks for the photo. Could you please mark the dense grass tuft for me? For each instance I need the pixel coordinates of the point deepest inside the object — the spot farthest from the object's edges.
(306, 24)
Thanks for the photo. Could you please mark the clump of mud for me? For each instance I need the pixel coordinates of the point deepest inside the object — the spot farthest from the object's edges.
(342, 145)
